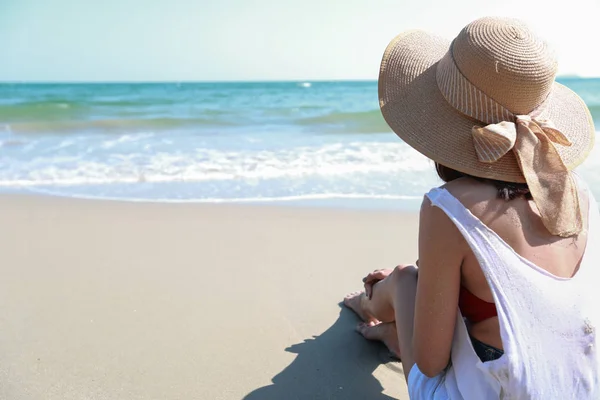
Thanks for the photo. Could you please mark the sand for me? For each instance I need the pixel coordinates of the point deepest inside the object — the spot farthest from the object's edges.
(115, 300)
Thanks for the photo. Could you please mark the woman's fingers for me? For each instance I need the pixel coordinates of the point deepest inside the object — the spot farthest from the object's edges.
(373, 278)
(369, 290)
(370, 280)
(376, 276)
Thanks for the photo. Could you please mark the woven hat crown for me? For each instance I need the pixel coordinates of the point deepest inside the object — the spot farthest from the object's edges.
(505, 60)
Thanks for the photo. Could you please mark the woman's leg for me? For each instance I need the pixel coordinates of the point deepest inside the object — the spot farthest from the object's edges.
(393, 300)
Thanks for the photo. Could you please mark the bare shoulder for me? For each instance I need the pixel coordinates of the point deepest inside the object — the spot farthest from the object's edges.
(434, 224)
(478, 197)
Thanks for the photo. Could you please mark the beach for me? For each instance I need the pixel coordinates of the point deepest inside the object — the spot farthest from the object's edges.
(123, 300)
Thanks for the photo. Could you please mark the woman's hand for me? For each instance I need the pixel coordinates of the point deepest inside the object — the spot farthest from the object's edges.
(373, 278)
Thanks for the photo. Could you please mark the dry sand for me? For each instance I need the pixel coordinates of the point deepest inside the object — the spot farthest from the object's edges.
(112, 300)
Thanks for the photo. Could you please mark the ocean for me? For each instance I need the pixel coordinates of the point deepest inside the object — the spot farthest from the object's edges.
(308, 143)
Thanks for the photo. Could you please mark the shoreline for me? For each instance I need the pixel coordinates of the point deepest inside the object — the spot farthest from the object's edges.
(107, 299)
(398, 203)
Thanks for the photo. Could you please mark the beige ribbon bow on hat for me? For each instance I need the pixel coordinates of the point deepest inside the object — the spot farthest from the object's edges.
(550, 182)
(532, 140)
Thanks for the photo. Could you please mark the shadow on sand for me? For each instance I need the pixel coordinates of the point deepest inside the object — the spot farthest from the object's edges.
(337, 364)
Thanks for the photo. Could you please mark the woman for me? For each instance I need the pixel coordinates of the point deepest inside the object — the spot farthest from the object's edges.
(504, 302)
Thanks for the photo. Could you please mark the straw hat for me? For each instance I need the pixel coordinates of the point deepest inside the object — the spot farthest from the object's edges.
(487, 105)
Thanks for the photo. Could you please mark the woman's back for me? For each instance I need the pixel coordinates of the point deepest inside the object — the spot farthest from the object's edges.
(518, 223)
(546, 319)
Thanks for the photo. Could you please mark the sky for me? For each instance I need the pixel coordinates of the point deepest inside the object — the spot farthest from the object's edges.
(221, 40)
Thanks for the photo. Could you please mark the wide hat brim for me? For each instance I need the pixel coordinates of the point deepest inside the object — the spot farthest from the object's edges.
(415, 109)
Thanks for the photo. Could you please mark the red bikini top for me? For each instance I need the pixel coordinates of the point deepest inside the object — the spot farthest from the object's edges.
(473, 308)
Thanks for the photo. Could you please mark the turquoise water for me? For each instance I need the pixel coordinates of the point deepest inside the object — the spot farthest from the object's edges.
(217, 142)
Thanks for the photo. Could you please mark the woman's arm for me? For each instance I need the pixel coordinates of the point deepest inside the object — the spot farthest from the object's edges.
(441, 253)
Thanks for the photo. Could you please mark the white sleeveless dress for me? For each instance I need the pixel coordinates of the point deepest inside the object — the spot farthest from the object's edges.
(548, 324)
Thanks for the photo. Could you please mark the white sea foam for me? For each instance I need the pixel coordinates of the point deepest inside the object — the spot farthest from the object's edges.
(202, 164)
(344, 171)
(127, 138)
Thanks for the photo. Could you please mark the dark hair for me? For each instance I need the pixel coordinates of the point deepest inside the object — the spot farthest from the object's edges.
(506, 190)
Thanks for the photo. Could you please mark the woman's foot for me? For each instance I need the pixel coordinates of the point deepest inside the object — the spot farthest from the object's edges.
(356, 302)
(384, 332)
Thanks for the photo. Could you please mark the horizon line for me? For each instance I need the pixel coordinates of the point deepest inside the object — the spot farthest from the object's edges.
(192, 81)
(224, 81)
